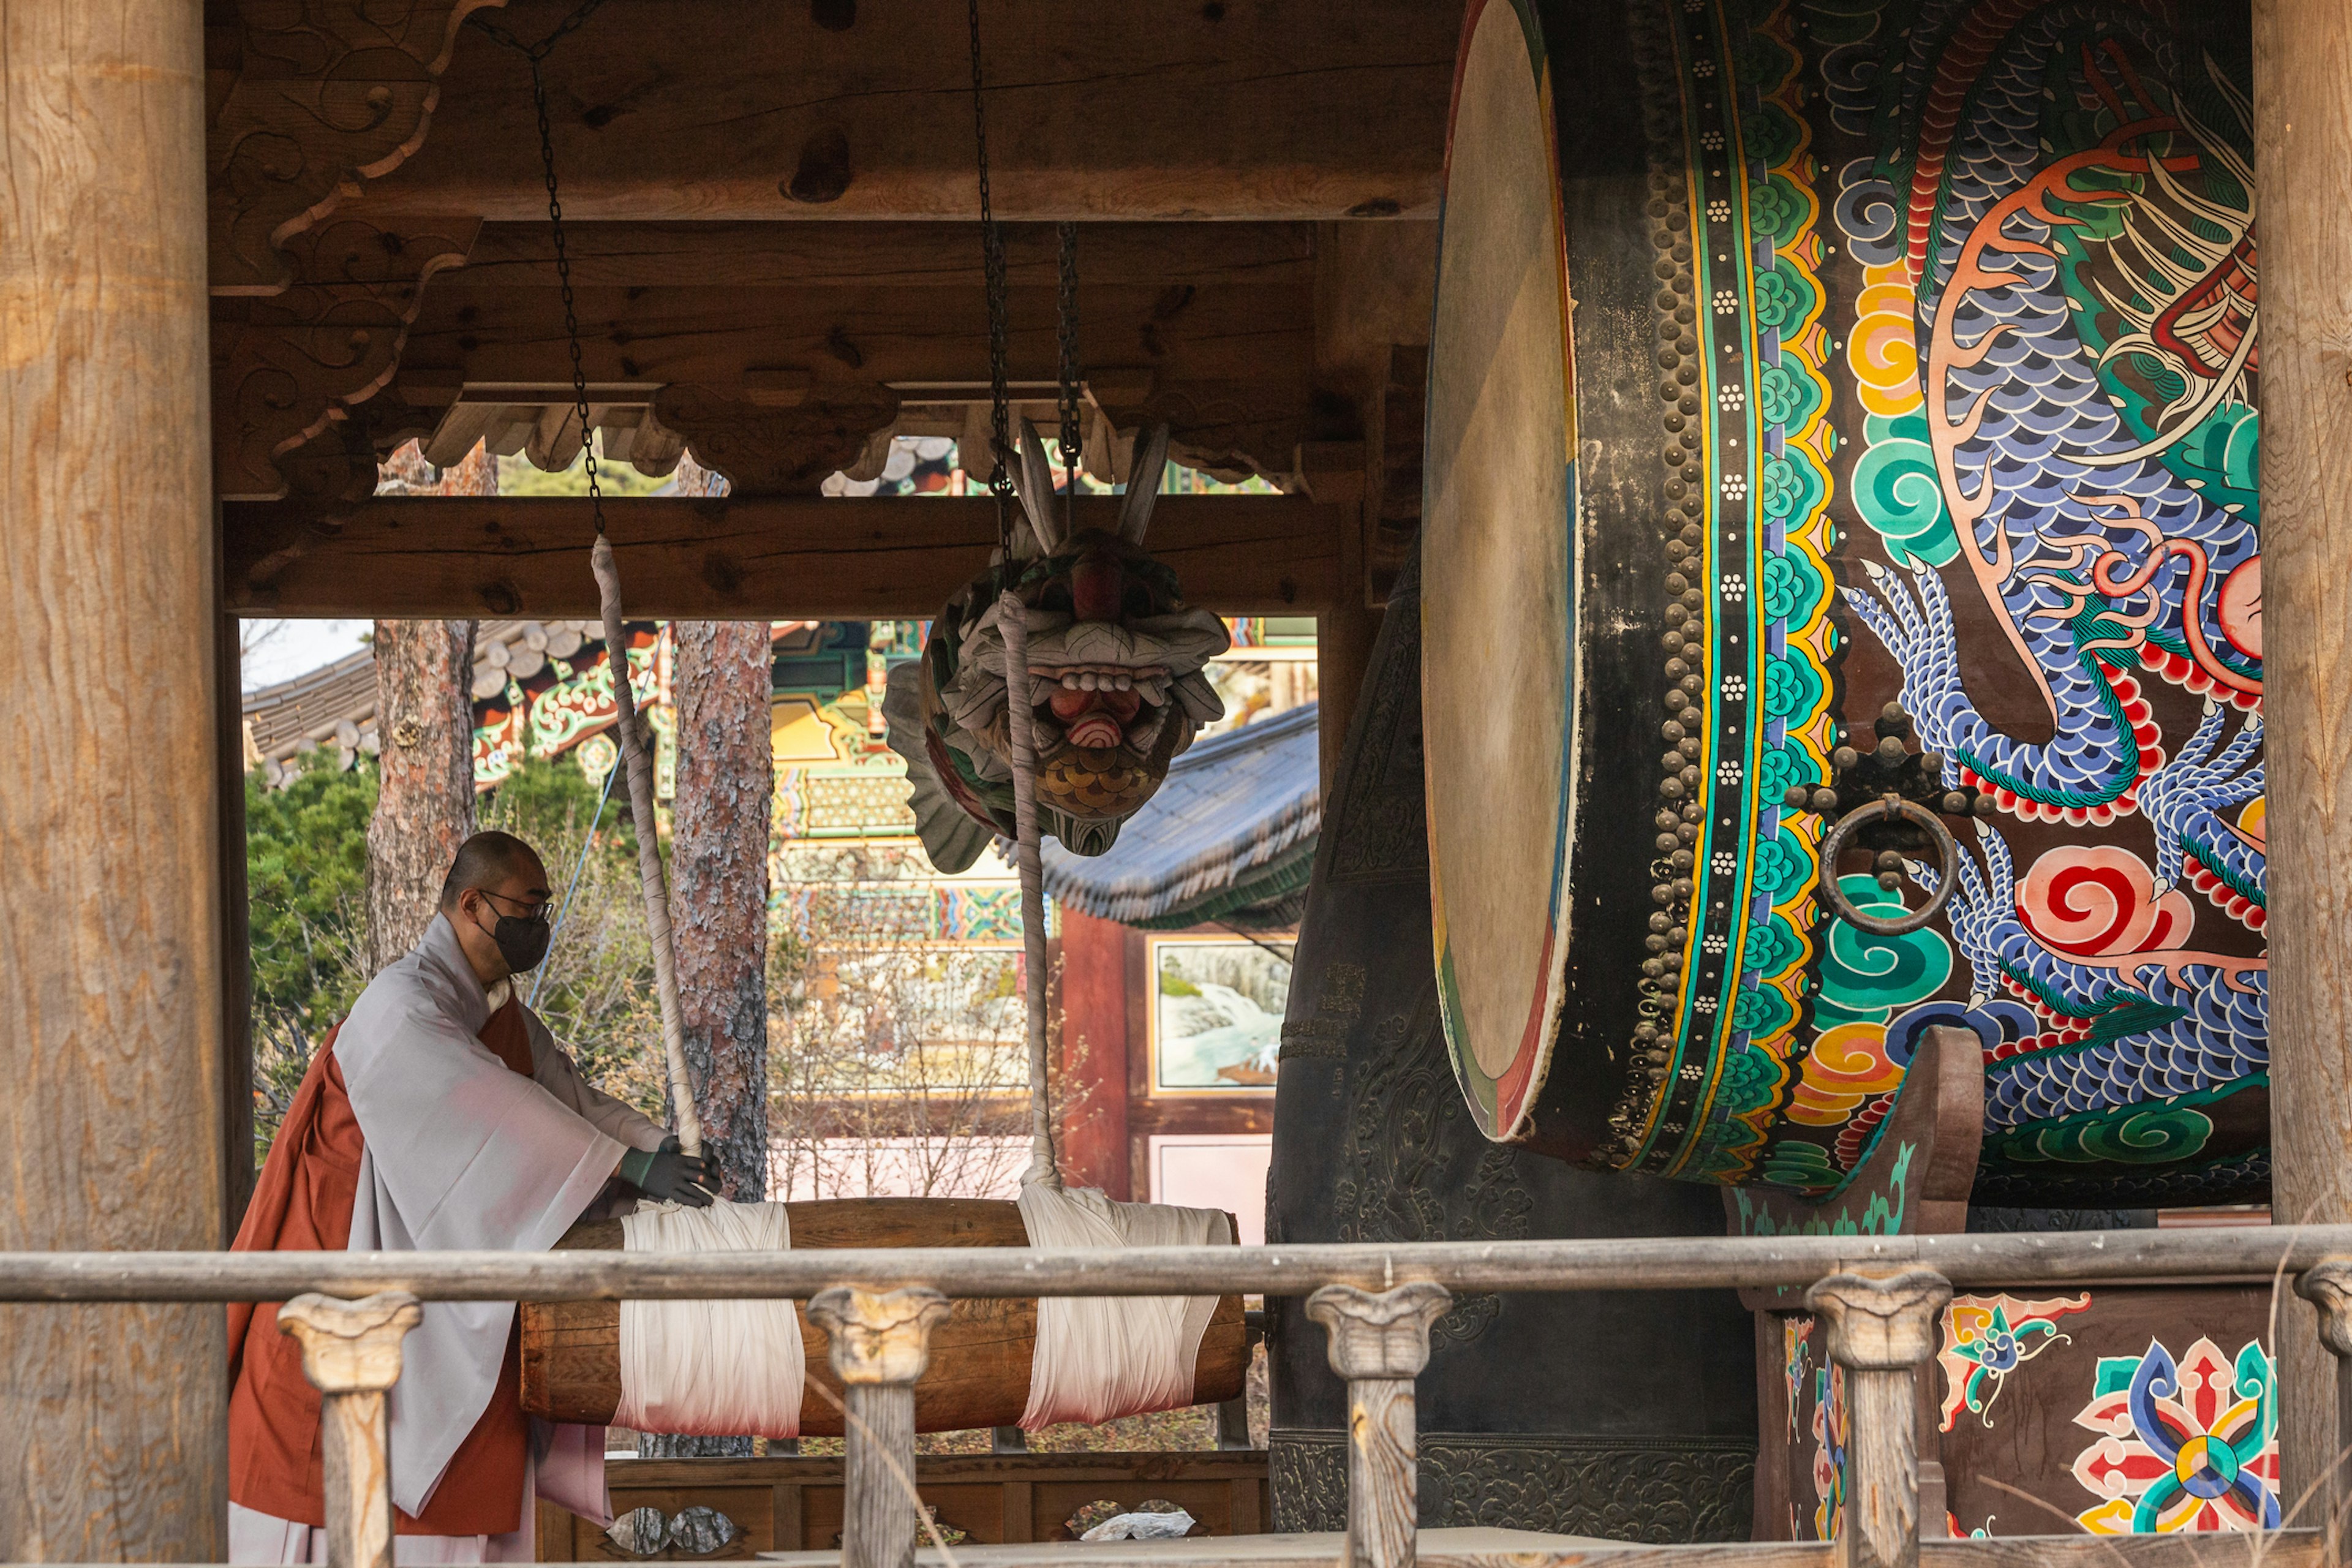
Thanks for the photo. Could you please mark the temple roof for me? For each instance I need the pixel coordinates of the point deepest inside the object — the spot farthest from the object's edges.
(1229, 836)
(334, 706)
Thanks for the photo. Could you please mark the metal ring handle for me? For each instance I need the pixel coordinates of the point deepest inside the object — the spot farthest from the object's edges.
(1947, 855)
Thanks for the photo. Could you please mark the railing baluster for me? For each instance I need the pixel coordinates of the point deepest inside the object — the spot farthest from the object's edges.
(1882, 1331)
(1379, 1343)
(2327, 1286)
(880, 1343)
(351, 1353)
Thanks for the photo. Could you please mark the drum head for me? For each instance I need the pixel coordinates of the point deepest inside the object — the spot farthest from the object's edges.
(1779, 374)
(1498, 549)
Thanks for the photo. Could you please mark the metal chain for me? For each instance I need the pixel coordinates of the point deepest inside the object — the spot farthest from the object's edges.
(992, 256)
(535, 53)
(1070, 441)
(571, 311)
(498, 33)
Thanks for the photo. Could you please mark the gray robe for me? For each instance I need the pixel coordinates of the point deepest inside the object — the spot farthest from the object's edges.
(463, 1153)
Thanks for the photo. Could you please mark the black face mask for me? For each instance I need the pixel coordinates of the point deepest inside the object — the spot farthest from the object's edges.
(522, 942)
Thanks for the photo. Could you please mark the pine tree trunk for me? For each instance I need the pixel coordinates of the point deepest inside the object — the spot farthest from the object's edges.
(719, 901)
(719, 898)
(424, 800)
(425, 722)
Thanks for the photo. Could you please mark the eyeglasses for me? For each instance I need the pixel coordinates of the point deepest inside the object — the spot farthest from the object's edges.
(531, 912)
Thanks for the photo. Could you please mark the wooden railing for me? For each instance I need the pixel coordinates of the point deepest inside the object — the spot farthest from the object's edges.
(1879, 1297)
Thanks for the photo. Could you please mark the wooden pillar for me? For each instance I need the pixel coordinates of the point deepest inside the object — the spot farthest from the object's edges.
(1094, 1131)
(237, 944)
(2303, 121)
(110, 878)
(879, 1345)
(1379, 1343)
(1882, 1331)
(425, 793)
(351, 1353)
(719, 887)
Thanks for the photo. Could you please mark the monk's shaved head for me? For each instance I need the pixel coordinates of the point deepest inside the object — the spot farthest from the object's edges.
(486, 862)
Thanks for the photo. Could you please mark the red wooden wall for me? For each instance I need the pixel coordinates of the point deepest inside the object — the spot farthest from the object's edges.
(1109, 1113)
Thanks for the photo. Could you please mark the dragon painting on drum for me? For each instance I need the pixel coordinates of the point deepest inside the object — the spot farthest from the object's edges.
(1949, 402)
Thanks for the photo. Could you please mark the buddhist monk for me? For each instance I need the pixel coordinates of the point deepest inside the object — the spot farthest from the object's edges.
(441, 1114)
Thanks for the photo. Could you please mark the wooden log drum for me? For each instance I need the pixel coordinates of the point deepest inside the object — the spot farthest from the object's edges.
(979, 1372)
(1818, 415)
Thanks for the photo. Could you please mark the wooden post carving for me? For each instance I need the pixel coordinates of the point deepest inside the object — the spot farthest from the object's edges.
(324, 94)
(286, 367)
(1882, 1331)
(1379, 1343)
(768, 447)
(2329, 1287)
(879, 1345)
(351, 1353)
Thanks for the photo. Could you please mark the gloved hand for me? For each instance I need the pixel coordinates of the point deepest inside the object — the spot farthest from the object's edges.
(668, 1177)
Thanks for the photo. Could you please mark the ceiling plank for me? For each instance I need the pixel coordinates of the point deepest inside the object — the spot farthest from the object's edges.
(815, 558)
(1160, 109)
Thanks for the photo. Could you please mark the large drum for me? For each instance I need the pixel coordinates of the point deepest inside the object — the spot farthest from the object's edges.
(979, 1357)
(1793, 359)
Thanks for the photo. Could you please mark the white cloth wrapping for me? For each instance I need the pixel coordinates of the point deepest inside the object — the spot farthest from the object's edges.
(462, 1153)
(719, 1369)
(1101, 1357)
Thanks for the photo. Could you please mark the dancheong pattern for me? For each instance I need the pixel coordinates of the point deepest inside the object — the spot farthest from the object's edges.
(1970, 287)
(2190, 1444)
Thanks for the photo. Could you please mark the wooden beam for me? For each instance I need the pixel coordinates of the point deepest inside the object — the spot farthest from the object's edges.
(946, 253)
(114, 1446)
(1209, 327)
(2302, 123)
(1168, 109)
(817, 558)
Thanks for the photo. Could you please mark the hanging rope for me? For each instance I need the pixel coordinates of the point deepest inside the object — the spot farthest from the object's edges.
(1011, 619)
(572, 890)
(635, 756)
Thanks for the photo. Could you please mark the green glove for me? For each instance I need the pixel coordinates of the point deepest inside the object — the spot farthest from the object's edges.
(668, 1177)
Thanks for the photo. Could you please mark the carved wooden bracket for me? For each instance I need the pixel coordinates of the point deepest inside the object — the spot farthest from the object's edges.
(877, 1337)
(1881, 1323)
(1229, 430)
(313, 96)
(767, 449)
(1379, 1334)
(2329, 1287)
(286, 366)
(351, 1347)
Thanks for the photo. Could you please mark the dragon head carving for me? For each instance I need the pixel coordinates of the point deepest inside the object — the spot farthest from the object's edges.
(1113, 680)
